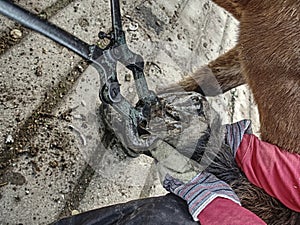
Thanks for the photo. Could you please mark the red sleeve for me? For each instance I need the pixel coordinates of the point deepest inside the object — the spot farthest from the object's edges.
(223, 211)
(270, 168)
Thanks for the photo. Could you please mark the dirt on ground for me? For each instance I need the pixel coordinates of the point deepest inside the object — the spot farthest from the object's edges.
(57, 157)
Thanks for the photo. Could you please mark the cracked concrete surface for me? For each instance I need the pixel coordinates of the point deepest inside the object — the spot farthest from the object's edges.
(47, 90)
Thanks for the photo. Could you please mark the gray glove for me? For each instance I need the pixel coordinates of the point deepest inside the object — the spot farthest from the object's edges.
(200, 191)
(183, 119)
(170, 161)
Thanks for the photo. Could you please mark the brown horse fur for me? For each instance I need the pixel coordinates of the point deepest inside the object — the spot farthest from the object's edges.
(267, 58)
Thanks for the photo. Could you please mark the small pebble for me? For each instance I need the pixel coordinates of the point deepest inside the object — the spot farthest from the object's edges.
(78, 117)
(74, 212)
(130, 90)
(39, 71)
(133, 26)
(179, 36)
(16, 34)
(9, 139)
(53, 164)
(80, 68)
(127, 77)
(83, 103)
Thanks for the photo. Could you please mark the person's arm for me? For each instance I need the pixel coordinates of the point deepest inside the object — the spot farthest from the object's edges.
(270, 168)
(224, 211)
(211, 201)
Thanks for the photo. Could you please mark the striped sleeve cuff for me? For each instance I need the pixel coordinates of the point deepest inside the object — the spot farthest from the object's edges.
(235, 133)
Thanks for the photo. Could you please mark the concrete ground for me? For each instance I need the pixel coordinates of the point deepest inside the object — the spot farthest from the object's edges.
(49, 105)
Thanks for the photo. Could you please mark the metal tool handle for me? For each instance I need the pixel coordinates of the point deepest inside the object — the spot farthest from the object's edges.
(104, 60)
(47, 29)
(131, 60)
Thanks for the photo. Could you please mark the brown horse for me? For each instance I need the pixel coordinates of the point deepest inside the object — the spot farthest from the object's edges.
(267, 58)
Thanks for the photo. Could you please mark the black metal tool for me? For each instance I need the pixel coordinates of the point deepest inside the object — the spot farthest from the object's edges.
(104, 60)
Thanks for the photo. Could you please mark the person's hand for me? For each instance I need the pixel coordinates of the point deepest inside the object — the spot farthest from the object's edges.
(190, 131)
(200, 191)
